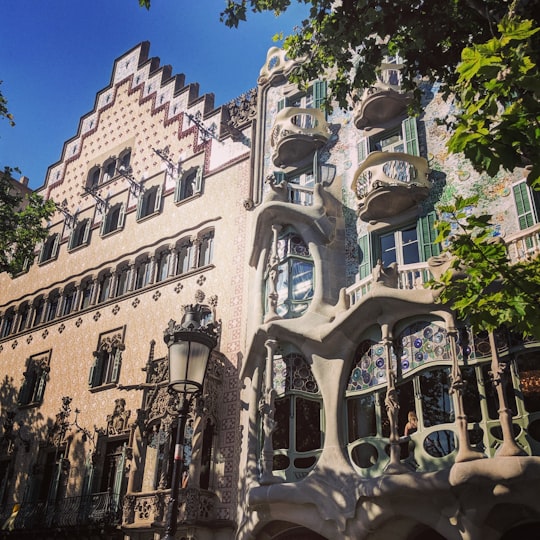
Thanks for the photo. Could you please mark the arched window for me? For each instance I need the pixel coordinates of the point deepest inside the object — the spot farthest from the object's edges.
(35, 380)
(109, 169)
(206, 249)
(162, 263)
(184, 253)
(189, 184)
(149, 202)
(122, 280)
(297, 439)
(291, 275)
(114, 219)
(143, 273)
(124, 161)
(80, 234)
(7, 325)
(93, 177)
(49, 250)
(104, 284)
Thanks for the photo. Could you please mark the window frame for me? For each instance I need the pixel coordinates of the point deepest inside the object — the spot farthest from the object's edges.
(36, 376)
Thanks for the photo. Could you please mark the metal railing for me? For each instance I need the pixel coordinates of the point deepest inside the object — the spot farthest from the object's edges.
(97, 508)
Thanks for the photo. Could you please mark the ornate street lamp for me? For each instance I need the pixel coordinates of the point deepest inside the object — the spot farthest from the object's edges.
(190, 344)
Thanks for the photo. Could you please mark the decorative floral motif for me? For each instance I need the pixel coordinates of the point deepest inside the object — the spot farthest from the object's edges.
(61, 328)
(78, 322)
(135, 302)
(97, 316)
(201, 280)
(156, 296)
(45, 334)
(178, 288)
(116, 309)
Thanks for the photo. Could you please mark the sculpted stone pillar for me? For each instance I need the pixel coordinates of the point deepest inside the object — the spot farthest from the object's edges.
(499, 378)
(391, 402)
(267, 410)
(273, 276)
(465, 452)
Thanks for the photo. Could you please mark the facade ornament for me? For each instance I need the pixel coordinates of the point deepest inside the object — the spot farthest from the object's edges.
(249, 204)
(117, 422)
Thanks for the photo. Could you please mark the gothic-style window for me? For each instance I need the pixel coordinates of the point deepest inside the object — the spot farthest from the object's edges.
(7, 324)
(104, 287)
(80, 234)
(122, 281)
(24, 316)
(35, 380)
(162, 263)
(49, 249)
(206, 249)
(189, 184)
(52, 306)
(39, 306)
(107, 361)
(294, 280)
(114, 219)
(125, 160)
(184, 254)
(297, 438)
(93, 177)
(68, 302)
(149, 202)
(109, 169)
(143, 273)
(86, 293)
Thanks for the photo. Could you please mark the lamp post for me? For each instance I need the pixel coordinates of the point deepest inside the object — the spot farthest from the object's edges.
(190, 344)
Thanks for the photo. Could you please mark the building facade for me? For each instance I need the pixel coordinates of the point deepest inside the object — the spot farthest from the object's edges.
(342, 399)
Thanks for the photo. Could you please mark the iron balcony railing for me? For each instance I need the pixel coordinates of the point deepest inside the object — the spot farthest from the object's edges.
(95, 509)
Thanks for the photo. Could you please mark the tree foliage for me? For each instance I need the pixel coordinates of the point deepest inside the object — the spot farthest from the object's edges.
(4, 113)
(498, 89)
(21, 224)
(481, 285)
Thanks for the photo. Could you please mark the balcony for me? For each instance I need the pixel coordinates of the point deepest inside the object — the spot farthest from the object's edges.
(524, 245)
(95, 510)
(382, 102)
(389, 183)
(141, 510)
(297, 134)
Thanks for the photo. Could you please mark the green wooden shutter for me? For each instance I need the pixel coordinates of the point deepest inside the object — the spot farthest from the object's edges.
(410, 136)
(119, 478)
(316, 175)
(157, 203)
(524, 208)
(53, 488)
(364, 256)
(319, 95)
(116, 365)
(122, 216)
(95, 371)
(282, 103)
(426, 235)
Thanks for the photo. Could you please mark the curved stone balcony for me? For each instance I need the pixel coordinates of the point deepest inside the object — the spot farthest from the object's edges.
(383, 101)
(389, 183)
(297, 134)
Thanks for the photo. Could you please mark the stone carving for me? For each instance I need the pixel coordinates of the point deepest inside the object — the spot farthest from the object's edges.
(117, 422)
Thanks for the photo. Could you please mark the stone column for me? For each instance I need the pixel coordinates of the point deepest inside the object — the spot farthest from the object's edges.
(499, 378)
(267, 411)
(273, 275)
(465, 452)
(392, 407)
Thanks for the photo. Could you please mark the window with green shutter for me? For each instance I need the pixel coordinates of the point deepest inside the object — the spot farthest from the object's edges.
(526, 205)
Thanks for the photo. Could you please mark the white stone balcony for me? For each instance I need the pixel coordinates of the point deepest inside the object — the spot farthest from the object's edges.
(297, 134)
(383, 101)
(389, 183)
(524, 245)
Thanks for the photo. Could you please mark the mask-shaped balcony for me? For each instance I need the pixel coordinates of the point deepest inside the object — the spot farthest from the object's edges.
(390, 183)
(297, 134)
(382, 102)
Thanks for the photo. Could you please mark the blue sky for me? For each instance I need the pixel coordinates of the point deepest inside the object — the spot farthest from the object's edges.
(56, 54)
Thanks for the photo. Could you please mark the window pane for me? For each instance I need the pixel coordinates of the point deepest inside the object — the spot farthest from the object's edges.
(302, 280)
(471, 396)
(529, 373)
(362, 421)
(388, 249)
(436, 402)
(409, 240)
(308, 425)
(280, 437)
